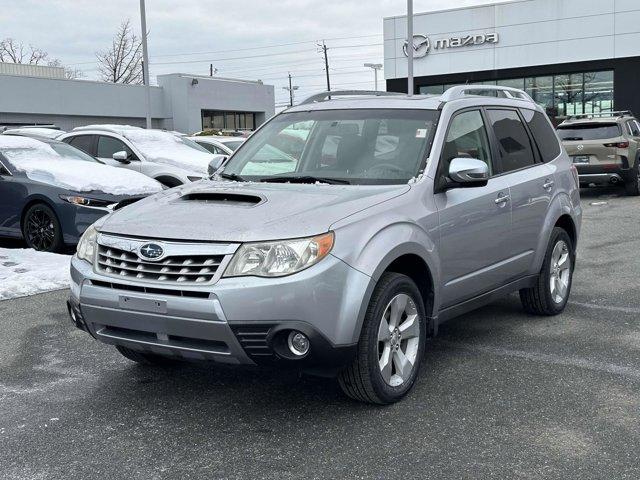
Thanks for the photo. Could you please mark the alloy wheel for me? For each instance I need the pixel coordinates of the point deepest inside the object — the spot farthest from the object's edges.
(41, 230)
(560, 272)
(398, 340)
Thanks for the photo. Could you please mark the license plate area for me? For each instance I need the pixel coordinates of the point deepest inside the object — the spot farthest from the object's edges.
(580, 159)
(139, 304)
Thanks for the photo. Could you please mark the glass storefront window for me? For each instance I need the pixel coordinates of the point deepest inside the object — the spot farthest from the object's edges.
(512, 83)
(431, 89)
(541, 90)
(220, 120)
(568, 98)
(598, 92)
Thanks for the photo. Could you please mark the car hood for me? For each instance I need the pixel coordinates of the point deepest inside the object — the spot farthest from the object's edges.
(241, 212)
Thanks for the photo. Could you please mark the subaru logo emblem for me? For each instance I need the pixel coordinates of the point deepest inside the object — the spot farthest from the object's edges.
(151, 251)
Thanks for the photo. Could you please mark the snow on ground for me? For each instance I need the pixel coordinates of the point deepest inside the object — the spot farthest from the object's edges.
(26, 272)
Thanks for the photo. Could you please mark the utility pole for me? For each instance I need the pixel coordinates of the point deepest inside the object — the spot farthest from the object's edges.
(291, 89)
(375, 67)
(145, 63)
(410, 47)
(211, 69)
(326, 65)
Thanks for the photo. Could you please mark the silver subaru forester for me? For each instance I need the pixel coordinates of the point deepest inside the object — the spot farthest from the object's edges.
(339, 236)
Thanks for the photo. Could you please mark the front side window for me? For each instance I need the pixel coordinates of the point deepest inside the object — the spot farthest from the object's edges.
(82, 142)
(514, 145)
(348, 146)
(466, 138)
(72, 153)
(107, 146)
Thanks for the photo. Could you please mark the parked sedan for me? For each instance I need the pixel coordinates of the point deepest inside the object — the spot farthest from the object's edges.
(51, 192)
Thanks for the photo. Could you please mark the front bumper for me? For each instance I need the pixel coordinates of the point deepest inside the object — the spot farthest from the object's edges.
(236, 320)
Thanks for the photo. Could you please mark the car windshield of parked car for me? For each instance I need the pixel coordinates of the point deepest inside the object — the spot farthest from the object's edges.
(232, 144)
(367, 146)
(599, 131)
(67, 151)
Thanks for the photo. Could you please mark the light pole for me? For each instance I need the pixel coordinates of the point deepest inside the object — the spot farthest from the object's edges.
(410, 47)
(145, 63)
(375, 67)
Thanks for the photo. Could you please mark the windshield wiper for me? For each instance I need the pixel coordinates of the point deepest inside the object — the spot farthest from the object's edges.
(232, 176)
(305, 179)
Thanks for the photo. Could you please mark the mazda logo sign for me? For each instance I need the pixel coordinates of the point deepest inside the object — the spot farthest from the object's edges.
(421, 46)
(150, 251)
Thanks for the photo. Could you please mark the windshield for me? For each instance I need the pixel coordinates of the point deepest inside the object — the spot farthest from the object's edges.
(347, 146)
(233, 144)
(591, 131)
(67, 151)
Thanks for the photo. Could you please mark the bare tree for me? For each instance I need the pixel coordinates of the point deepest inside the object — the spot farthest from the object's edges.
(122, 62)
(12, 51)
(69, 72)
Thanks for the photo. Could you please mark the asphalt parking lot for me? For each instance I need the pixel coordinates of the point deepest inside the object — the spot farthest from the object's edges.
(501, 394)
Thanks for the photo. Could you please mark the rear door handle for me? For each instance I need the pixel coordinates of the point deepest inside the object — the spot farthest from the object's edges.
(548, 184)
(502, 199)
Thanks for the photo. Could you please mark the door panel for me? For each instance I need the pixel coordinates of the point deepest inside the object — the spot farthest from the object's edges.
(107, 146)
(12, 192)
(474, 236)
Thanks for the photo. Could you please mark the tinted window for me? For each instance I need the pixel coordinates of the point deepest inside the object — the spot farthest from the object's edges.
(543, 134)
(234, 144)
(69, 151)
(107, 146)
(633, 128)
(83, 142)
(513, 141)
(589, 131)
(467, 137)
(211, 148)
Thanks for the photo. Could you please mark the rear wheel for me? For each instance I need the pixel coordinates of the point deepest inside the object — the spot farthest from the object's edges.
(391, 345)
(632, 185)
(41, 229)
(145, 358)
(550, 294)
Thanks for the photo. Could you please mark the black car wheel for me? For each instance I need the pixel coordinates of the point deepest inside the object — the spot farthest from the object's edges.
(41, 229)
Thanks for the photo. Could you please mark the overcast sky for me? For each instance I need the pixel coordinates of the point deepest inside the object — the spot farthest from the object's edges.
(201, 32)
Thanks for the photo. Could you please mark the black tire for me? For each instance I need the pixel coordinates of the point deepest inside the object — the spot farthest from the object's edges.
(362, 380)
(632, 185)
(539, 300)
(41, 229)
(146, 358)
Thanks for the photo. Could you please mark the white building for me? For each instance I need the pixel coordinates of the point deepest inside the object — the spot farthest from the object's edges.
(573, 56)
(185, 103)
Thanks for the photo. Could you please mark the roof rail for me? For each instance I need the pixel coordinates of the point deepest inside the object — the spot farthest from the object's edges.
(619, 113)
(318, 97)
(107, 128)
(461, 91)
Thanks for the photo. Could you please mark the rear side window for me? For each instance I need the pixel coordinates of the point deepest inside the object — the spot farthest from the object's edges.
(514, 145)
(83, 142)
(543, 134)
(633, 128)
(589, 131)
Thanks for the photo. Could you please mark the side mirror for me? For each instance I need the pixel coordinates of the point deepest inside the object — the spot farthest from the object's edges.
(121, 156)
(215, 164)
(468, 172)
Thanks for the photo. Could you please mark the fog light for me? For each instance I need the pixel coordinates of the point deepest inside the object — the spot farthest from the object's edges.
(298, 343)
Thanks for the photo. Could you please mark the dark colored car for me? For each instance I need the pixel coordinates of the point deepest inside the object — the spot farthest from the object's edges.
(50, 192)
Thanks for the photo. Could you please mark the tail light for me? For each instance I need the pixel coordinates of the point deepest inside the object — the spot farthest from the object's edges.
(617, 145)
(574, 171)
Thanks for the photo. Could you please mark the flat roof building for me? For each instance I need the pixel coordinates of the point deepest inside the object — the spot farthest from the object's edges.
(186, 103)
(572, 56)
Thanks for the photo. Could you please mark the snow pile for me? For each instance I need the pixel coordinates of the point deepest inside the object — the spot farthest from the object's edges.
(42, 164)
(26, 272)
(167, 148)
(40, 132)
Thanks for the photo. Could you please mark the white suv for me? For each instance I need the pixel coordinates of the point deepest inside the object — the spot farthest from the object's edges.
(169, 158)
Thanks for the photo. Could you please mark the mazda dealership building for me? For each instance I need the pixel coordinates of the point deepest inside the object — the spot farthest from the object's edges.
(572, 56)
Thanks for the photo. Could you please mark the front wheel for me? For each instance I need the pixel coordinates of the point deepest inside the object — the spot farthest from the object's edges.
(551, 292)
(41, 229)
(391, 345)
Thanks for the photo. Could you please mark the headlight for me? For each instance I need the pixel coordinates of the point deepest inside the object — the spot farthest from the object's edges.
(85, 201)
(87, 244)
(279, 258)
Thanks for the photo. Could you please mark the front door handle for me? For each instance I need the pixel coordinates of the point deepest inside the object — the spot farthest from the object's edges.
(548, 184)
(502, 199)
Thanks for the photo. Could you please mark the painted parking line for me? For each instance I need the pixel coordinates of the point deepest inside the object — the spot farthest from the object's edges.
(548, 358)
(607, 307)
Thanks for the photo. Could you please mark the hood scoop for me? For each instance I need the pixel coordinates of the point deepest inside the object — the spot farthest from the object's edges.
(223, 198)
